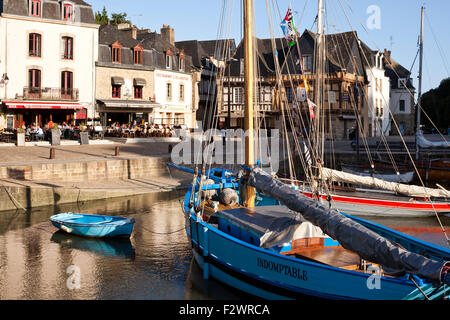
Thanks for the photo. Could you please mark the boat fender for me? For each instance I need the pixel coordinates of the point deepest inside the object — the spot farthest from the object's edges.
(66, 229)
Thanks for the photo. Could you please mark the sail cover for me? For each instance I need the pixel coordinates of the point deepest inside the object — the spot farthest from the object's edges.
(350, 234)
(408, 190)
(424, 143)
(403, 177)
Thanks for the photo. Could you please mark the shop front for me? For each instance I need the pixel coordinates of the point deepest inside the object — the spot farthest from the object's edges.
(41, 112)
(126, 112)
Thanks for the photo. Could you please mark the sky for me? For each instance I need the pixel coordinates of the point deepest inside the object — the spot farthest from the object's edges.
(391, 24)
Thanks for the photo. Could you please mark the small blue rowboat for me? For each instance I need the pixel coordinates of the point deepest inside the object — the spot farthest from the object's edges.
(90, 225)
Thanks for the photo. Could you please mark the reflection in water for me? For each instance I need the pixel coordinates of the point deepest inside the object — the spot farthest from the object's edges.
(155, 263)
(110, 247)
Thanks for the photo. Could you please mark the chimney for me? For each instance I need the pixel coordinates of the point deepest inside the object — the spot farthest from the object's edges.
(387, 54)
(168, 34)
(129, 29)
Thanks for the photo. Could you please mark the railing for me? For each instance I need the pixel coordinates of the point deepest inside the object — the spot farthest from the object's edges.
(50, 93)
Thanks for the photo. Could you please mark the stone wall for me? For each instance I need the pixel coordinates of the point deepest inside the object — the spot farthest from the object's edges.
(87, 170)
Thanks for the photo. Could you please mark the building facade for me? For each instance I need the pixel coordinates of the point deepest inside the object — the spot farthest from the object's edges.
(48, 52)
(142, 79)
(402, 100)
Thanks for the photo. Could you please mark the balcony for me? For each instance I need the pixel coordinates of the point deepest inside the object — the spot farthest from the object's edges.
(45, 93)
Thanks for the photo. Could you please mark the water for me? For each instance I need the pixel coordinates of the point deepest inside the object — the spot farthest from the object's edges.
(39, 262)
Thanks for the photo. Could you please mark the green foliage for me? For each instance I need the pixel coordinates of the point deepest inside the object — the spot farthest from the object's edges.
(116, 18)
(102, 17)
(436, 103)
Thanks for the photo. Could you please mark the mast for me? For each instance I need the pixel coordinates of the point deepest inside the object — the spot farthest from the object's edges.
(419, 96)
(249, 200)
(318, 85)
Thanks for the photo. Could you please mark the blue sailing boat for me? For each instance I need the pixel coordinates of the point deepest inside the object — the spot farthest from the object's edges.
(255, 233)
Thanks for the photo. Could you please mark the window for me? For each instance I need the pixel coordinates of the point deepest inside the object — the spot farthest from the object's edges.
(168, 61)
(137, 54)
(307, 63)
(241, 66)
(34, 45)
(402, 106)
(181, 92)
(402, 83)
(35, 8)
(289, 94)
(238, 92)
(138, 92)
(116, 90)
(181, 63)
(116, 52)
(34, 78)
(169, 91)
(67, 12)
(66, 84)
(67, 45)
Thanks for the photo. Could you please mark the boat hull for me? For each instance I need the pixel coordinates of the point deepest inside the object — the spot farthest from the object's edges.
(366, 206)
(95, 226)
(270, 275)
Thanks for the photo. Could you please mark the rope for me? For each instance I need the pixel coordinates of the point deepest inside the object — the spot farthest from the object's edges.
(13, 200)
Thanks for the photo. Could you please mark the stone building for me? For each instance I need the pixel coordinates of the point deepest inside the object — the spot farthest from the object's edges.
(207, 56)
(143, 77)
(339, 110)
(402, 97)
(48, 50)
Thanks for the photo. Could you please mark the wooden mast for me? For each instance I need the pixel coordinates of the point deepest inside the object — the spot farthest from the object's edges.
(419, 96)
(249, 200)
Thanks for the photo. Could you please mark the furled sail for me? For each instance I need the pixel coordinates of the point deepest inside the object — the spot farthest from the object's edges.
(408, 190)
(424, 143)
(350, 234)
(403, 177)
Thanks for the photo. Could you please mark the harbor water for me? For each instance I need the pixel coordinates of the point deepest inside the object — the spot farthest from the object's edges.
(37, 262)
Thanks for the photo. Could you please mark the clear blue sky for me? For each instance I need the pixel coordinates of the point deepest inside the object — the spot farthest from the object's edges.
(399, 24)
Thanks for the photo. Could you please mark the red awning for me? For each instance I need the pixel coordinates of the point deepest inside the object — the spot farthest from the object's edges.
(54, 105)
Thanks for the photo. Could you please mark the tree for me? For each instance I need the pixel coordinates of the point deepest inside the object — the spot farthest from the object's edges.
(102, 17)
(436, 103)
(118, 18)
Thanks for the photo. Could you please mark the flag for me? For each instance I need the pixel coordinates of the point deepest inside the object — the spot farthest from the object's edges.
(311, 106)
(288, 27)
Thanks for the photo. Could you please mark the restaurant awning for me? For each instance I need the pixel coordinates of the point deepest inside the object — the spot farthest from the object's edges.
(46, 105)
(139, 82)
(127, 105)
(117, 80)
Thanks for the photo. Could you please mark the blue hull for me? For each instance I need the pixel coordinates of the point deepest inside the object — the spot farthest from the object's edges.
(93, 225)
(271, 275)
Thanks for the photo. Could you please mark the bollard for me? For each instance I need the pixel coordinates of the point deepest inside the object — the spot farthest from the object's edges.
(52, 153)
(117, 151)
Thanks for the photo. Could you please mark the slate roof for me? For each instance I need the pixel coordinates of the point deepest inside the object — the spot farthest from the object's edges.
(51, 9)
(153, 44)
(340, 50)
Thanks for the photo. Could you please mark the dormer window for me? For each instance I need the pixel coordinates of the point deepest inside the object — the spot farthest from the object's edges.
(67, 11)
(402, 83)
(181, 63)
(137, 54)
(169, 55)
(35, 8)
(116, 52)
